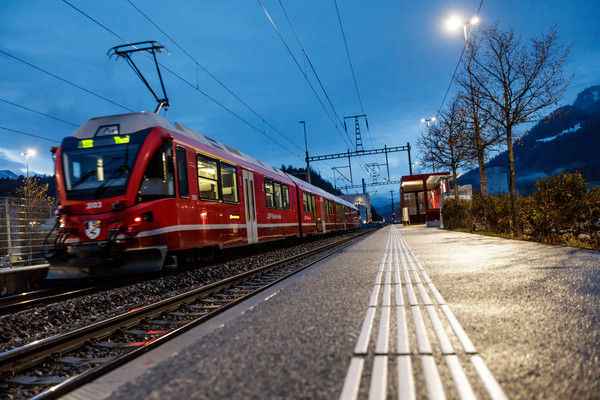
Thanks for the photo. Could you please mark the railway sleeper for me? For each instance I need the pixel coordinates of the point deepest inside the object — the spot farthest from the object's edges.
(165, 322)
(122, 345)
(203, 307)
(145, 333)
(84, 362)
(27, 380)
(184, 314)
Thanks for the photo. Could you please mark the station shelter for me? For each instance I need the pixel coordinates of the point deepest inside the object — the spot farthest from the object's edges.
(420, 195)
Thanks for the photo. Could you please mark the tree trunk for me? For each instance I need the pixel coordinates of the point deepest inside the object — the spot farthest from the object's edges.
(481, 161)
(455, 180)
(512, 186)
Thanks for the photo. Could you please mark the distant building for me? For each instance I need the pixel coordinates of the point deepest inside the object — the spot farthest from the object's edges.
(496, 179)
(363, 202)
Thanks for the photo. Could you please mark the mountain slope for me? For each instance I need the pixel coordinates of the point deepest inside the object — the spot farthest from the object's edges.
(567, 140)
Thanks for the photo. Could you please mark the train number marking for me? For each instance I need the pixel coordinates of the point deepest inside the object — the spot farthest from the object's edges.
(93, 204)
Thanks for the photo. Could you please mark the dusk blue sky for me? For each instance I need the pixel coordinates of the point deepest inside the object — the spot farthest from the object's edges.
(402, 54)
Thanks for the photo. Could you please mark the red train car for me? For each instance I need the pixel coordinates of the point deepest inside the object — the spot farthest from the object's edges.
(136, 193)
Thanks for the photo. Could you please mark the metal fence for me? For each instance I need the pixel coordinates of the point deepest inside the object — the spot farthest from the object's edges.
(24, 223)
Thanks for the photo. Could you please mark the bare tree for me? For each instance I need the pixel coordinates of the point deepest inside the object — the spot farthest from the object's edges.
(518, 81)
(35, 207)
(483, 134)
(446, 143)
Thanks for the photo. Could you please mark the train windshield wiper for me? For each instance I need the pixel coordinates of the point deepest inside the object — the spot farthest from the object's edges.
(119, 172)
(83, 179)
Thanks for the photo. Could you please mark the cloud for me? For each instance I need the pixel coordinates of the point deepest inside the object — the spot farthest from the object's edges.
(8, 161)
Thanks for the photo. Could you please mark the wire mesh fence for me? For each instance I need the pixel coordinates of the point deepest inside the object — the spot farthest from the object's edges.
(24, 223)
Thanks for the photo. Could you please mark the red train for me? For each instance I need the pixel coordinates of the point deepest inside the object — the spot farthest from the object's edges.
(137, 194)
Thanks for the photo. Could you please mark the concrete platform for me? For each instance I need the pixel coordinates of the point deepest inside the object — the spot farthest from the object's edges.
(21, 279)
(405, 313)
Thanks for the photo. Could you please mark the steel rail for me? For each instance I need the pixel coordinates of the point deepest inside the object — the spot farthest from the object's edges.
(24, 301)
(27, 356)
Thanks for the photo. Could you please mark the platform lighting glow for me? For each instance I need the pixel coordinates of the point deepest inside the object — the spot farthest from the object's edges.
(29, 153)
(453, 23)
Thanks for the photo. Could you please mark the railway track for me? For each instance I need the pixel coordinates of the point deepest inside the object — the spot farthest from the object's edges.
(62, 290)
(54, 366)
(24, 301)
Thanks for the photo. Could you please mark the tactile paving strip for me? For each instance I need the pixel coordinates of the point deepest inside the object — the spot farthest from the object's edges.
(400, 274)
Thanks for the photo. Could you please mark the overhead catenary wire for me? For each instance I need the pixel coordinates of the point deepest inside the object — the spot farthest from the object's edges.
(349, 59)
(310, 64)
(457, 65)
(188, 83)
(38, 112)
(362, 109)
(64, 80)
(352, 69)
(361, 161)
(29, 134)
(212, 75)
(304, 75)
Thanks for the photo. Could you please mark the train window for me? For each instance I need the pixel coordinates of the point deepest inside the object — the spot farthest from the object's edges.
(270, 201)
(304, 201)
(285, 196)
(182, 175)
(229, 183)
(208, 183)
(158, 181)
(329, 209)
(277, 194)
(308, 202)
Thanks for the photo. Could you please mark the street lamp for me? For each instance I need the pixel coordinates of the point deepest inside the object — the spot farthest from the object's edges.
(416, 163)
(28, 153)
(306, 145)
(428, 120)
(455, 22)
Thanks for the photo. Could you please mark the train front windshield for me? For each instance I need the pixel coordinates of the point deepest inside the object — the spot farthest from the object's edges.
(99, 167)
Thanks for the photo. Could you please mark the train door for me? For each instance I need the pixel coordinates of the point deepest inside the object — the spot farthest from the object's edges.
(250, 200)
(323, 215)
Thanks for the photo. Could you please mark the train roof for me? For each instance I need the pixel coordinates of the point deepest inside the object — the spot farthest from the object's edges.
(317, 190)
(130, 123)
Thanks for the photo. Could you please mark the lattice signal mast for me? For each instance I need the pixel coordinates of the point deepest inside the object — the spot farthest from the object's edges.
(359, 145)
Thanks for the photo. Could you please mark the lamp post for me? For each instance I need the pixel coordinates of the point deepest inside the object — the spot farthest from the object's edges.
(306, 146)
(428, 120)
(418, 168)
(453, 23)
(28, 153)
